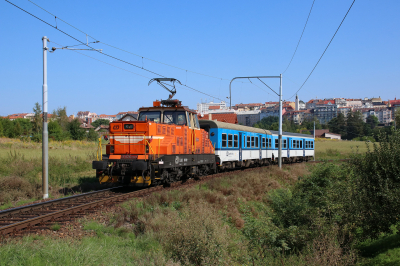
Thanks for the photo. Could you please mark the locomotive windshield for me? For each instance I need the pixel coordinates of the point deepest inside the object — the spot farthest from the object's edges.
(175, 117)
(154, 116)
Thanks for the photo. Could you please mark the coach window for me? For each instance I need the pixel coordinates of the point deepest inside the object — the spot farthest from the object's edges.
(256, 142)
(312, 144)
(248, 142)
(276, 143)
(269, 143)
(252, 142)
(301, 144)
(223, 140)
(284, 144)
(236, 140)
(263, 143)
(230, 140)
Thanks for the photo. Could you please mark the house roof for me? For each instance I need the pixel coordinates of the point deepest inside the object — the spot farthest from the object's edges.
(215, 107)
(224, 117)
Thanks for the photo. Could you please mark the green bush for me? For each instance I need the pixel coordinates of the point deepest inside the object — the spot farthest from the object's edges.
(377, 185)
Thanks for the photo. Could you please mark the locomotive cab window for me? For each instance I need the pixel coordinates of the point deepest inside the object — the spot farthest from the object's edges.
(223, 140)
(175, 117)
(236, 140)
(153, 116)
(230, 140)
(128, 126)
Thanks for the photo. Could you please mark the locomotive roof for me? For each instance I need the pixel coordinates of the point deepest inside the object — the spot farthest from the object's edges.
(166, 108)
(217, 124)
(292, 134)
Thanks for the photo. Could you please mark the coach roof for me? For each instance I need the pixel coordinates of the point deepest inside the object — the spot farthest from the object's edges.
(292, 134)
(217, 124)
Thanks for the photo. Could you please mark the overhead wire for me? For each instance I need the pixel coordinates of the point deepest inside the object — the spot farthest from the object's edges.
(109, 45)
(325, 49)
(300, 37)
(113, 57)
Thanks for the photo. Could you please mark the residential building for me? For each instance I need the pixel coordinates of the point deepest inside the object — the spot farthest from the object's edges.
(271, 111)
(344, 110)
(340, 102)
(248, 118)
(325, 112)
(203, 108)
(247, 106)
(122, 114)
(355, 103)
(298, 117)
(271, 104)
(107, 117)
(384, 115)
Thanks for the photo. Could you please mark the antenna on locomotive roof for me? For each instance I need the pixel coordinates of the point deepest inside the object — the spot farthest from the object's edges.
(162, 84)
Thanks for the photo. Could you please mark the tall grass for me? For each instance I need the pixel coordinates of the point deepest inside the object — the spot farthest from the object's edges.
(21, 169)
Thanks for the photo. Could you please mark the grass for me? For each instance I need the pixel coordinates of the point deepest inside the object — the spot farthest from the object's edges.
(337, 149)
(200, 225)
(109, 247)
(70, 170)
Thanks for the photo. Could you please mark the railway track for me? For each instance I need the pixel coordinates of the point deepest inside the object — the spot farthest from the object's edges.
(41, 215)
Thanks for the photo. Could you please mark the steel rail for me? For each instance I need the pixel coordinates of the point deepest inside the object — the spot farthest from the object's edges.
(29, 223)
(49, 203)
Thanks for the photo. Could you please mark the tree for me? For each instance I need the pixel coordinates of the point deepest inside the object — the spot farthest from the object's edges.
(397, 117)
(62, 118)
(99, 122)
(1, 127)
(77, 133)
(37, 119)
(92, 135)
(55, 131)
(309, 124)
(338, 125)
(355, 125)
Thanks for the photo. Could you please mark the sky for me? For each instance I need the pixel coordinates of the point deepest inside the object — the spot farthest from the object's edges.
(203, 44)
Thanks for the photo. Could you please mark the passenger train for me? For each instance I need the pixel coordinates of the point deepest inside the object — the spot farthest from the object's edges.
(168, 143)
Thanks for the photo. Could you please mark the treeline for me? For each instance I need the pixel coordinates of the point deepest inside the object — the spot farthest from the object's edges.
(272, 123)
(60, 127)
(351, 127)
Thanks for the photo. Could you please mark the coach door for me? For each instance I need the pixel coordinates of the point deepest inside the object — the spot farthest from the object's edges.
(240, 146)
(304, 148)
(289, 142)
(260, 145)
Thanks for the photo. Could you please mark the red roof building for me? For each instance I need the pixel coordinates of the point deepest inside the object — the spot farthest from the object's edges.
(224, 117)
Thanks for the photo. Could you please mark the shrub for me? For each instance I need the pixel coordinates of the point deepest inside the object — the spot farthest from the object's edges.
(196, 236)
(377, 185)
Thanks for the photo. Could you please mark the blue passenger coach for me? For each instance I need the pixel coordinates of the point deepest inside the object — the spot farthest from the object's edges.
(242, 146)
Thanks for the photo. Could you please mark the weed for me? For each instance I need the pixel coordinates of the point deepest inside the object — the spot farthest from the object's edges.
(55, 227)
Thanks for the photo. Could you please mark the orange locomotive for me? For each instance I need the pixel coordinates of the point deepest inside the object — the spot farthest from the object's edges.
(164, 145)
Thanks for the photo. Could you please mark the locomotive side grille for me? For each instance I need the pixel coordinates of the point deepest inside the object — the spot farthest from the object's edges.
(168, 131)
(159, 130)
(173, 131)
(185, 141)
(173, 148)
(164, 130)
